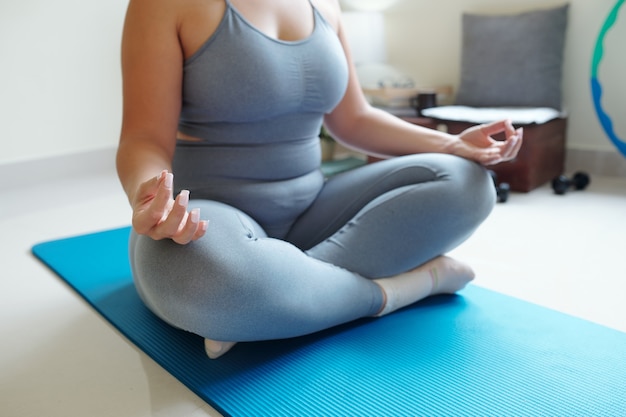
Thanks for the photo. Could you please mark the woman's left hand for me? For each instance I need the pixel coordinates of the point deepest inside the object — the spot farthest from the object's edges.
(476, 143)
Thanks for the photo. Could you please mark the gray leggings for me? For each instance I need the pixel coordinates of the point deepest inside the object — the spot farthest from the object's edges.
(238, 284)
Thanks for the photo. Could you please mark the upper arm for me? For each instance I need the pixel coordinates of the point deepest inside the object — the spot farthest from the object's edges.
(345, 116)
(152, 62)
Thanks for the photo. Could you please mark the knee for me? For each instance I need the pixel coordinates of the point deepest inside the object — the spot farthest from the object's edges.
(481, 187)
(187, 285)
(476, 180)
(159, 279)
(471, 187)
(479, 190)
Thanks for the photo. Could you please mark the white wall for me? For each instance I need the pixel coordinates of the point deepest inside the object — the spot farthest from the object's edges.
(424, 40)
(60, 76)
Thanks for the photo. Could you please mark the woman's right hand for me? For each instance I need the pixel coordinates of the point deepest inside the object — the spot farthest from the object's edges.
(158, 215)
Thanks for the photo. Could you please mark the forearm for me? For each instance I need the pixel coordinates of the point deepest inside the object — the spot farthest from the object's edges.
(138, 161)
(379, 133)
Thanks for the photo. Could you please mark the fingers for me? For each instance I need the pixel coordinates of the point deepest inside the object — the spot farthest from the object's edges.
(151, 202)
(193, 229)
(162, 200)
(490, 156)
(493, 128)
(173, 221)
(162, 217)
(509, 130)
(505, 150)
(488, 151)
(181, 225)
(513, 145)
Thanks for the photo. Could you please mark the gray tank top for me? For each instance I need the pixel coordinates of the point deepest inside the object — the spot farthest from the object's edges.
(257, 103)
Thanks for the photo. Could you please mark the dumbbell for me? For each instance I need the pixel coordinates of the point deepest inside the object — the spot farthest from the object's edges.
(579, 181)
(502, 190)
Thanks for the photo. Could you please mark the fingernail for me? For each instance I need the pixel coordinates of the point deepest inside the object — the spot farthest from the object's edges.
(169, 180)
(195, 216)
(183, 200)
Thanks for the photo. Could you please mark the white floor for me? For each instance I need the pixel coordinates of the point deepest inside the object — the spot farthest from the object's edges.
(58, 358)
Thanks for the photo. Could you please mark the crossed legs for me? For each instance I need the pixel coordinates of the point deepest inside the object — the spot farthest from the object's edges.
(371, 243)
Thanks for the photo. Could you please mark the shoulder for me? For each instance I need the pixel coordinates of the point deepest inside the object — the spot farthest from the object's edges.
(331, 11)
(188, 23)
(172, 11)
(144, 14)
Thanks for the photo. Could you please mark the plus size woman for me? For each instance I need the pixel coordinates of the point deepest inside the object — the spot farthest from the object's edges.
(237, 236)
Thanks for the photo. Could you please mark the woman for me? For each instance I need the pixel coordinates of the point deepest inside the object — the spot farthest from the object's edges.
(229, 96)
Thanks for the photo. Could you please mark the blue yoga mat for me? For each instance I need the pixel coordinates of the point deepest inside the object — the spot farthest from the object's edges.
(475, 354)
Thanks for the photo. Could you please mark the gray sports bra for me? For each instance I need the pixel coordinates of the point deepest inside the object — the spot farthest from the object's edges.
(257, 103)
